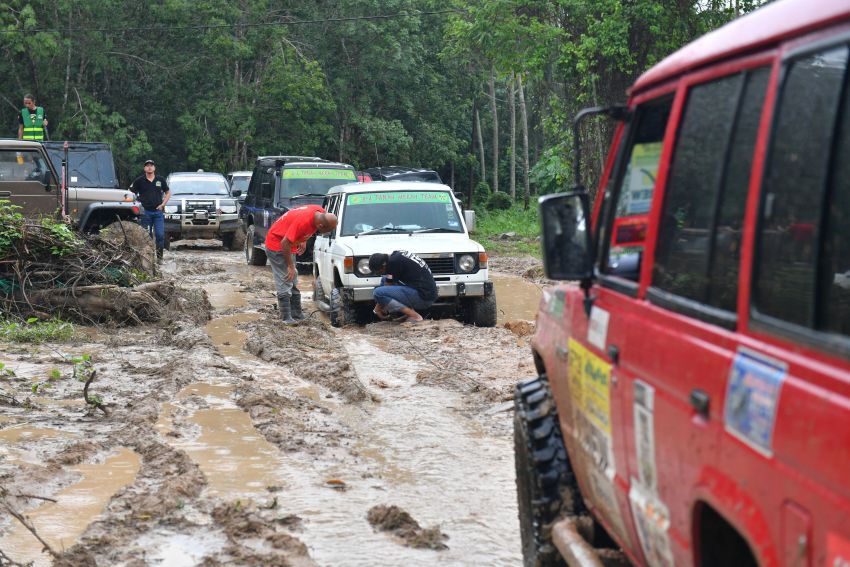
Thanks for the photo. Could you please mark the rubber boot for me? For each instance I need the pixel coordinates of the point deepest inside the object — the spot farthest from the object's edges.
(159, 253)
(285, 311)
(295, 303)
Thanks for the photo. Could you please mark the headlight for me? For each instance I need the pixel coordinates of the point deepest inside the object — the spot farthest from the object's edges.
(171, 208)
(466, 263)
(363, 266)
(228, 207)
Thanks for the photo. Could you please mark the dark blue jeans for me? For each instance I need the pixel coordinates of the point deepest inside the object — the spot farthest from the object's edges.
(156, 220)
(396, 297)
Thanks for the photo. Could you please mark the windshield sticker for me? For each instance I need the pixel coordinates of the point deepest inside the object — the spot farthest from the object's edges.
(319, 174)
(752, 396)
(400, 197)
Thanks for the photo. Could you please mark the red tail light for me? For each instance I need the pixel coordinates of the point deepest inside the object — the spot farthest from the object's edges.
(630, 231)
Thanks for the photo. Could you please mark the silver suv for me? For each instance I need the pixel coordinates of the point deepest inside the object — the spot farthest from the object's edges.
(200, 206)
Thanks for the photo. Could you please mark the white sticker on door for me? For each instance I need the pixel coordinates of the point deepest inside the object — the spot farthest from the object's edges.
(597, 329)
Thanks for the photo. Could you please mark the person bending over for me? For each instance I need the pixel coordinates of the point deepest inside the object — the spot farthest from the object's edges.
(407, 285)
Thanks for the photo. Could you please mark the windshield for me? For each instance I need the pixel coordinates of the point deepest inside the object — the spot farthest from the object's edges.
(313, 181)
(198, 186)
(240, 183)
(397, 211)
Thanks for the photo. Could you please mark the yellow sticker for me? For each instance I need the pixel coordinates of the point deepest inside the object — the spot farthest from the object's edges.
(590, 385)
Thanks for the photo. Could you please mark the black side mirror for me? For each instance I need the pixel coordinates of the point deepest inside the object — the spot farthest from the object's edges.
(567, 245)
(235, 192)
(47, 179)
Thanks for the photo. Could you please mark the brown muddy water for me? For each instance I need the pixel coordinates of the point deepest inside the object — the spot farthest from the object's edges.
(272, 436)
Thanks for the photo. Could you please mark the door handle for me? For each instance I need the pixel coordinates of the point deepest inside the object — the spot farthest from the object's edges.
(700, 401)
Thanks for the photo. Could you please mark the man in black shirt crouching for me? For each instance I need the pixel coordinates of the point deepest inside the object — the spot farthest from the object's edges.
(406, 285)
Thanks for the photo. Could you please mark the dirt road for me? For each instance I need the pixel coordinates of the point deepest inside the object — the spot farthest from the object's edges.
(233, 440)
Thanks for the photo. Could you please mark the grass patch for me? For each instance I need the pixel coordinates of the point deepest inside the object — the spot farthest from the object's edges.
(35, 331)
(524, 223)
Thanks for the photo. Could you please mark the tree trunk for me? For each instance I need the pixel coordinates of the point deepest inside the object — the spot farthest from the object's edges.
(474, 118)
(524, 123)
(480, 144)
(512, 106)
(495, 112)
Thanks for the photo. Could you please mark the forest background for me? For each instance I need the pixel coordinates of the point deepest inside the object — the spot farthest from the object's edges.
(483, 91)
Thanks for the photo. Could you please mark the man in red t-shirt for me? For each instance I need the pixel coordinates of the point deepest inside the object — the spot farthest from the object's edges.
(287, 236)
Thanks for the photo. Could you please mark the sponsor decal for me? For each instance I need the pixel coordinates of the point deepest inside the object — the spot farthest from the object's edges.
(837, 551)
(597, 329)
(399, 197)
(296, 173)
(752, 395)
(590, 382)
(652, 521)
(645, 436)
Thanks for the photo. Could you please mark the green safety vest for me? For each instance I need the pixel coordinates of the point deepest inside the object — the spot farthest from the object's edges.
(33, 128)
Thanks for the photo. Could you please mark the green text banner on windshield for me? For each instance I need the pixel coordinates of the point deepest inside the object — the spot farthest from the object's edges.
(295, 173)
(399, 197)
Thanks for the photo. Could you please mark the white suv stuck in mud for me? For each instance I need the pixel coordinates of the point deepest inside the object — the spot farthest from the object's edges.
(423, 218)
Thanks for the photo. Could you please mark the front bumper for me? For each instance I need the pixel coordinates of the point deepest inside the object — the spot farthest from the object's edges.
(444, 291)
(188, 227)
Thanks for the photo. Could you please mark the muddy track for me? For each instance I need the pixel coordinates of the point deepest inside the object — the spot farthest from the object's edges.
(236, 441)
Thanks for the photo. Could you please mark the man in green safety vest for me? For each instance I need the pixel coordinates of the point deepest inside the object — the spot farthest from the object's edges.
(32, 123)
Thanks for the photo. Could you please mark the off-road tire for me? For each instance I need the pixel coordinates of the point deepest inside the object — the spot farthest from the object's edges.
(227, 240)
(543, 474)
(481, 311)
(345, 312)
(253, 255)
(238, 238)
(319, 291)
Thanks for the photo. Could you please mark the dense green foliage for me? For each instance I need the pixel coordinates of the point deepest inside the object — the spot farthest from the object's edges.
(523, 223)
(212, 83)
(35, 331)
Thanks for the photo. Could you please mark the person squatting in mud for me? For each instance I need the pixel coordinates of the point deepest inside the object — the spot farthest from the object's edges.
(407, 285)
(287, 237)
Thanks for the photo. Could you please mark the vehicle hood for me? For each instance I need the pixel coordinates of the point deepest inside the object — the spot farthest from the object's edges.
(100, 194)
(417, 243)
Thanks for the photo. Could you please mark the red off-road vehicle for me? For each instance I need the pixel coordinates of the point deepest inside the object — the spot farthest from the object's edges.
(693, 398)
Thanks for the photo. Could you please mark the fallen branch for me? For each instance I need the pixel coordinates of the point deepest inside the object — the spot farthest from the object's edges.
(93, 401)
(6, 561)
(26, 523)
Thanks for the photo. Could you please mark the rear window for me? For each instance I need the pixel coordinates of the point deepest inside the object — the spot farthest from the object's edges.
(313, 181)
(803, 249)
(400, 211)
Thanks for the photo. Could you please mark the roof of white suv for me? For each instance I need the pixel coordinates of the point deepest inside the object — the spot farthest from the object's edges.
(383, 186)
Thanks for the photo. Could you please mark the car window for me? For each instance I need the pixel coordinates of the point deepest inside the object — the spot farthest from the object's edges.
(198, 186)
(313, 181)
(632, 191)
(699, 235)
(796, 193)
(240, 183)
(18, 165)
(391, 211)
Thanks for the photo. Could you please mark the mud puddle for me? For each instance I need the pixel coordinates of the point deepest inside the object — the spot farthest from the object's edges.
(60, 523)
(516, 298)
(221, 439)
(419, 453)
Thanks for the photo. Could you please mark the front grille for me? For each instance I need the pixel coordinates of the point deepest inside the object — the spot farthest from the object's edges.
(200, 206)
(441, 265)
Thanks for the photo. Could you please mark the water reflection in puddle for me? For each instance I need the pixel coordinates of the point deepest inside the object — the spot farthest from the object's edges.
(15, 439)
(62, 522)
(516, 298)
(235, 458)
(224, 295)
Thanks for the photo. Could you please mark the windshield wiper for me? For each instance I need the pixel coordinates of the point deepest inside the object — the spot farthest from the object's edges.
(307, 195)
(384, 229)
(435, 229)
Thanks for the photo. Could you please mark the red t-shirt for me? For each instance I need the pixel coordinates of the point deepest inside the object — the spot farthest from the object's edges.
(296, 225)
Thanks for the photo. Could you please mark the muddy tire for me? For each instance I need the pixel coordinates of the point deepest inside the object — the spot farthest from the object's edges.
(227, 241)
(318, 290)
(481, 311)
(542, 471)
(253, 255)
(238, 238)
(345, 312)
